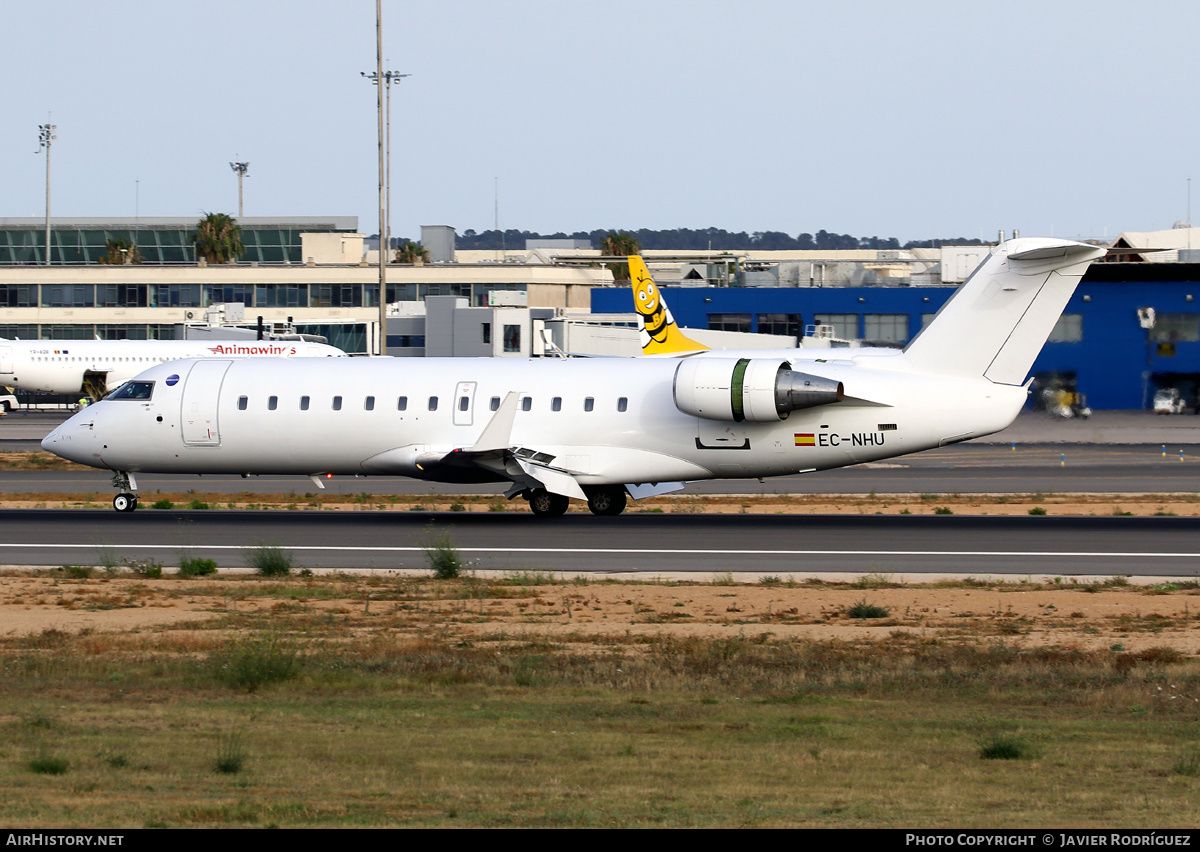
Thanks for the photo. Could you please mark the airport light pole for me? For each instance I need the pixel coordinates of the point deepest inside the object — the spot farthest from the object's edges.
(45, 137)
(242, 169)
(385, 231)
(382, 180)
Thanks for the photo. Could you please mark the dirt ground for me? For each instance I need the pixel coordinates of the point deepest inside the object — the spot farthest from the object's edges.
(1088, 616)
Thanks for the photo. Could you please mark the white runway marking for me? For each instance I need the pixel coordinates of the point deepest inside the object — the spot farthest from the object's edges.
(646, 551)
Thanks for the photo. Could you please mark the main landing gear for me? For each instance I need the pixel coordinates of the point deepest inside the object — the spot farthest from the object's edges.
(607, 500)
(127, 500)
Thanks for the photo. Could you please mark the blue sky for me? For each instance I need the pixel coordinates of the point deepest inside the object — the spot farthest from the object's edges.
(913, 119)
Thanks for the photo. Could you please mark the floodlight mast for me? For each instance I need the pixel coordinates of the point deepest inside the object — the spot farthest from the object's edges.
(382, 207)
(385, 168)
(45, 137)
(242, 170)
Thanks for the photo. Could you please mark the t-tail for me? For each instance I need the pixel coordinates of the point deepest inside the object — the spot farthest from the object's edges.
(656, 327)
(996, 323)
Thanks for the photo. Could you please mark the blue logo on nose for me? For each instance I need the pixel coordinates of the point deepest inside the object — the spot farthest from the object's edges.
(172, 379)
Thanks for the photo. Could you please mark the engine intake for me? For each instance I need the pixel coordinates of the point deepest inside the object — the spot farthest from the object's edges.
(759, 390)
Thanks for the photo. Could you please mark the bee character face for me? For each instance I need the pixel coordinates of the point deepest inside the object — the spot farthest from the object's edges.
(647, 297)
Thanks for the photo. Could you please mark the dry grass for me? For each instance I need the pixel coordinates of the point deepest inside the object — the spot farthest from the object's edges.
(529, 701)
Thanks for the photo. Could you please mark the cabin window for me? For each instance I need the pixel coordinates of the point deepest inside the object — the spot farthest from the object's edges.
(304, 403)
(463, 402)
(526, 403)
(589, 404)
(487, 332)
(243, 402)
(402, 404)
(272, 403)
(337, 403)
(369, 403)
(495, 403)
(433, 403)
(623, 404)
(556, 404)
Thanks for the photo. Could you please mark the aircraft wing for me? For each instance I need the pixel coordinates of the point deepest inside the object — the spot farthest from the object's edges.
(493, 453)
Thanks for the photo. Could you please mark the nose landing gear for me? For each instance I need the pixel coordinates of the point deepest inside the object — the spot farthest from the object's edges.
(127, 500)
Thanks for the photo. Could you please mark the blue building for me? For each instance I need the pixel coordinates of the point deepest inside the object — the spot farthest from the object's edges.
(1129, 330)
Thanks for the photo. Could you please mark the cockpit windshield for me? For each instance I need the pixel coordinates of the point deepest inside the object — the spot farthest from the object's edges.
(133, 390)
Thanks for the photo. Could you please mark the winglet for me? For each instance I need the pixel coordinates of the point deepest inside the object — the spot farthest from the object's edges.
(496, 435)
(656, 327)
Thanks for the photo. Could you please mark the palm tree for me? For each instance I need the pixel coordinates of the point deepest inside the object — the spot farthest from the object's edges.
(412, 253)
(218, 238)
(120, 251)
(620, 245)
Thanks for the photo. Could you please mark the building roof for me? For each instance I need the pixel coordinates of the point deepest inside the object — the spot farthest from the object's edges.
(1162, 246)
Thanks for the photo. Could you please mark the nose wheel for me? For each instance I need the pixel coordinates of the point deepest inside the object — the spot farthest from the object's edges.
(124, 482)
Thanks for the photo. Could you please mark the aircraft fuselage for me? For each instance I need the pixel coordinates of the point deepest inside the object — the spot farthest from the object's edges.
(603, 421)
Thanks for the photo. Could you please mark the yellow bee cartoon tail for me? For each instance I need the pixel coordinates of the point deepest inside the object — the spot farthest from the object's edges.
(657, 329)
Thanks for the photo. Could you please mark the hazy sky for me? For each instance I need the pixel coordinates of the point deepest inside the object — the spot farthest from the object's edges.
(906, 119)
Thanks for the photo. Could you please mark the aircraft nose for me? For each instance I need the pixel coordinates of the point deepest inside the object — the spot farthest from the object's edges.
(72, 441)
(50, 442)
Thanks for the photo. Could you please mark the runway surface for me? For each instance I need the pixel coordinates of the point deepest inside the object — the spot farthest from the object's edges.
(641, 545)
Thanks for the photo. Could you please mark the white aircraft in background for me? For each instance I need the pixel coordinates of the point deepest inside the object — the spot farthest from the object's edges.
(93, 367)
(594, 429)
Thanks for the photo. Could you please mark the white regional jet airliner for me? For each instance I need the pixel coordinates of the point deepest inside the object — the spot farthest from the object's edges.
(94, 367)
(594, 429)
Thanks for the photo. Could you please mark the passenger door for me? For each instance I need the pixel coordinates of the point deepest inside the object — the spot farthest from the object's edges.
(199, 406)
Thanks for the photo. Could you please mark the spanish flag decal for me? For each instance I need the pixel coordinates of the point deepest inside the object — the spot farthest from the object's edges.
(806, 439)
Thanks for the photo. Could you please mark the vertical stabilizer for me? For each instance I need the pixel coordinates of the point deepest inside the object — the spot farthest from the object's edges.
(657, 329)
(996, 323)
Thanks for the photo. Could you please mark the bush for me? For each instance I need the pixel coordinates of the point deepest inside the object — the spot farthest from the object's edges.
(197, 503)
(270, 560)
(444, 558)
(1037, 510)
(195, 567)
(147, 568)
(862, 609)
(162, 503)
(1188, 762)
(249, 664)
(48, 764)
(231, 756)
(1005, 748)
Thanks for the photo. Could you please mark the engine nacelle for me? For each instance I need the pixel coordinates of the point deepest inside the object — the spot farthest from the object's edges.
(760, 390)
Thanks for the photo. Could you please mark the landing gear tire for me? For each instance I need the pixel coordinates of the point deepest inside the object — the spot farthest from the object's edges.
(125, 502)
(546, 505)
(608, 500)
